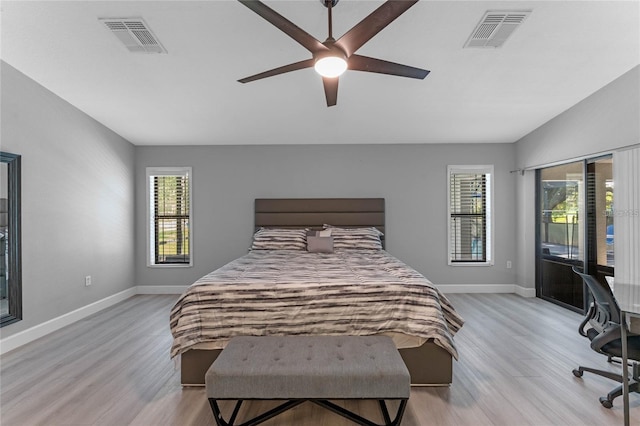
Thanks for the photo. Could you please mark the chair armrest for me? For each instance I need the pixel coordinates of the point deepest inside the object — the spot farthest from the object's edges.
(611, 333)
(586, 320)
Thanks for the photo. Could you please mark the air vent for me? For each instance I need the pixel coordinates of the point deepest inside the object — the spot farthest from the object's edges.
(495, 27)
(135, 34)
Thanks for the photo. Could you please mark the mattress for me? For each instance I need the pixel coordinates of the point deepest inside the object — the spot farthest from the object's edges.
(294, 292)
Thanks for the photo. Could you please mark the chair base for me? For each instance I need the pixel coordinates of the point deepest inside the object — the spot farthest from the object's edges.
(607, 401)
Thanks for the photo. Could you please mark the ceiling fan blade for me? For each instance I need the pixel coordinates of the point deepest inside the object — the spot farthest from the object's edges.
(330, 90)
(365, 63)
(364, 30)
(284, 25)
(307, 63)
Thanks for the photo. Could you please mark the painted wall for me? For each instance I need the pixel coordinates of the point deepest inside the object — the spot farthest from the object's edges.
(84, 209)
(412, 179)
(607, 120)
(77, 201)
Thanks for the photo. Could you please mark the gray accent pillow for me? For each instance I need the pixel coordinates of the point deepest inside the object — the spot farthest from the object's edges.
(319, 244)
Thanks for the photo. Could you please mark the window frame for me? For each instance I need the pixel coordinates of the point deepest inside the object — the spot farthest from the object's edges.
(166, 171)
(488, 171)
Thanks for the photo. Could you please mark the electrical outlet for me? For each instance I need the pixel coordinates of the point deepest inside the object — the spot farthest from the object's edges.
(508, 264)
(87, 280)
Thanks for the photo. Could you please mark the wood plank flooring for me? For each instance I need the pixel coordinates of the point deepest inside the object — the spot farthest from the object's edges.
(113, 368)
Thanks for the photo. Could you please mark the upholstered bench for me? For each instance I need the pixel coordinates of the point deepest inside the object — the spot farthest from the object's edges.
(308, 368)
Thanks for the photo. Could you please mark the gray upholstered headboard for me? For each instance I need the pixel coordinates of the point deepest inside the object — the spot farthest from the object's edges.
(315, 212)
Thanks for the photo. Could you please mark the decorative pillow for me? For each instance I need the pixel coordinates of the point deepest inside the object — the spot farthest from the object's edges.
(317, 244)
(356, 238)
(280, 239)
(318, 233)
(324, 233)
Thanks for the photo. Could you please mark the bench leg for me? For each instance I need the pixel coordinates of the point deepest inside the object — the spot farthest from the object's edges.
(220, 421)
(400, 413)
(385, 412)
(217, 415)
(236, 409)
(256, 420)
(361, 420)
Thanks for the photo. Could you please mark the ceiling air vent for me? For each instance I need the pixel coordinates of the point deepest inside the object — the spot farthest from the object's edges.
(135, 34)
(495, 27)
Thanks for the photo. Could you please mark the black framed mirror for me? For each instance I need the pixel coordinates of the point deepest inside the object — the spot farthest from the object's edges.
(10, 240)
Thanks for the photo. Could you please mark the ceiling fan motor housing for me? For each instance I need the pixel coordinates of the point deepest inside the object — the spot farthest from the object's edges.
(325, 3)
(334, 50)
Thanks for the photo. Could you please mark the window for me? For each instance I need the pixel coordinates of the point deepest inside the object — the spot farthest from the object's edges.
(169, 229)
(470, 215)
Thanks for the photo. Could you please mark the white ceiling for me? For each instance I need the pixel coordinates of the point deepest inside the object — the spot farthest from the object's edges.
(564, 51)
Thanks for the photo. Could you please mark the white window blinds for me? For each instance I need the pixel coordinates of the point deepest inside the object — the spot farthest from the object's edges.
(169, 216)
(470, 219)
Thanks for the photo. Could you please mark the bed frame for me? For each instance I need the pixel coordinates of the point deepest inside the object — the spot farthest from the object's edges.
(429, 364)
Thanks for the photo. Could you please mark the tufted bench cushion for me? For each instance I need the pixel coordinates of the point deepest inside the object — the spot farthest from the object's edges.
(329, 367)
(309, 368)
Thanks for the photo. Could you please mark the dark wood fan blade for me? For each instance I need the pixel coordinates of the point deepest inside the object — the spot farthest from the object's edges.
(364, 63)
(331, 90)
(363, 31)
(286, 26)
(308, 63)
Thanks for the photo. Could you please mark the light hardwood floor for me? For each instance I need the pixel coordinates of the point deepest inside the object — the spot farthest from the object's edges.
(516, 357)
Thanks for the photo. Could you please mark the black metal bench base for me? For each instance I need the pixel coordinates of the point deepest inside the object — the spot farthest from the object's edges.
(295, 402)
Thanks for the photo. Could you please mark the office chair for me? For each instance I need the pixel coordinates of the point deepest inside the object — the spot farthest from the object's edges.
(603, 317)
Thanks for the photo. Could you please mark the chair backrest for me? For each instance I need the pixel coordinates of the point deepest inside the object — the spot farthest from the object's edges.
(606, 310)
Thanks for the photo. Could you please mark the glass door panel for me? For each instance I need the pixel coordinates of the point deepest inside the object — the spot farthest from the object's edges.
(561, 233)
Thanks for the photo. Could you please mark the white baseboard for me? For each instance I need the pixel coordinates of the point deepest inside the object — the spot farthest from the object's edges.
(525, 291)
(29, 335)
(487, 288)
(23, 337)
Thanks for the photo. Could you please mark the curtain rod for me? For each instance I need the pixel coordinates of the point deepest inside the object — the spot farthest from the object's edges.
(570, 160)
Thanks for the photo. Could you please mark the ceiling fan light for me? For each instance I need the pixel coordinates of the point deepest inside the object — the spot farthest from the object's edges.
(330, 66)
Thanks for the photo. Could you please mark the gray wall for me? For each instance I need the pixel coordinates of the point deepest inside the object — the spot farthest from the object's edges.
(77, 201)
(84, 206)
(607, 120)
(412, 179)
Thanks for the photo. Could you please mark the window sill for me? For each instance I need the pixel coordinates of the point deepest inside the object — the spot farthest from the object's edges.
(490, 263)
(176, 265)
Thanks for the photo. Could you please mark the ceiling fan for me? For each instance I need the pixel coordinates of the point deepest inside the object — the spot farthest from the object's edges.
(332, 57)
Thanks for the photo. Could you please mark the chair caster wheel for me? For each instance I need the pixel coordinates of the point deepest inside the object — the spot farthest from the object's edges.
(577, 373)
(605, 402)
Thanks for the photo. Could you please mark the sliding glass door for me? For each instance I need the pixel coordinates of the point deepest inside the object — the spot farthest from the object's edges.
(561, 233)
(574, 227)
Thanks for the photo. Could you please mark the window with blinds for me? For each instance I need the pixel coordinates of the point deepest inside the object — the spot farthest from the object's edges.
(169, 190)
(470, 219)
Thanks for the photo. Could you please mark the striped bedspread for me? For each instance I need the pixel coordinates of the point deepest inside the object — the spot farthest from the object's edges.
(288, 292)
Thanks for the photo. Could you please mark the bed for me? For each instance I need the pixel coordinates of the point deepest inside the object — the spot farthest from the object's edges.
(280, 288)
